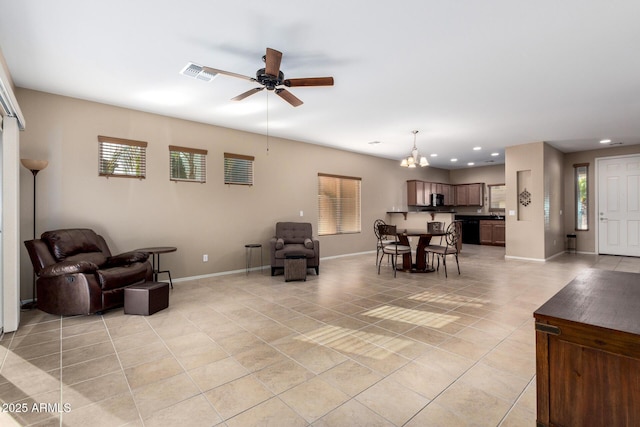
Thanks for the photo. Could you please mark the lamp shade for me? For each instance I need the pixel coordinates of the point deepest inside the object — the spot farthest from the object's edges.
(34, 165)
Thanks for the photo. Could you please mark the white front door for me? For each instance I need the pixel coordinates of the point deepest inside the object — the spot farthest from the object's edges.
(619, 205)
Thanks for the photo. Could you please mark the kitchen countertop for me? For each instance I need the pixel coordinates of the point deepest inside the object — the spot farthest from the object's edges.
(480, 216)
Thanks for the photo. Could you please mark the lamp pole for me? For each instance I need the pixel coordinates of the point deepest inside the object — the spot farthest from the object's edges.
(34, 166)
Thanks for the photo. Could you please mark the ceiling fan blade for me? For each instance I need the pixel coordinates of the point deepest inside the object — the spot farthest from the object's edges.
(247, 93)
(227, 73)
(309, 81)
(289, 97)
(272, 62)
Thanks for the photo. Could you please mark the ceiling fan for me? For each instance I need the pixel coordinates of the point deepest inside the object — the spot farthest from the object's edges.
(271, 78)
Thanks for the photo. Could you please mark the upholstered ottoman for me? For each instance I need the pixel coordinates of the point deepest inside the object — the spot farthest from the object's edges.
(146, 298)
(295, 267)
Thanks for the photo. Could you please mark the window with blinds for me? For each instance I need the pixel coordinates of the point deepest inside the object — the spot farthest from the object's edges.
(187, 164)
(238, 169)
(122, 157)
(338, 204)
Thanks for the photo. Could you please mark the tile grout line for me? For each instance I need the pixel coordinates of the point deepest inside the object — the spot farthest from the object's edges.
(458, 378)
(181, 366)
(61, 415)
(122, 369)
(515, 402)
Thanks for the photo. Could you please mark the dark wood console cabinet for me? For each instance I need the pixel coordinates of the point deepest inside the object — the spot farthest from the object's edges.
(588, 352)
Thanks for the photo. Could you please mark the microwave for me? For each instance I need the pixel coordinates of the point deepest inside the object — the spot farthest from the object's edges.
(437, 199)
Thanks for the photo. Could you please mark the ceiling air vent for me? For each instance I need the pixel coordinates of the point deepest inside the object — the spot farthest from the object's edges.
(195, 71)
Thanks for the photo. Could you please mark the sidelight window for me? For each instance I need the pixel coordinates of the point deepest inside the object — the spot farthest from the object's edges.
(581, 172)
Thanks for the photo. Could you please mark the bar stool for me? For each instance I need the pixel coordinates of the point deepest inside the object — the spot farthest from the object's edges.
(247, 249)
(572, 243)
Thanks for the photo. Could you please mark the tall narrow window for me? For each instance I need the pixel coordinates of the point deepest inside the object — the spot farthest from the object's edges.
(122, 157)
(238, 169)
(187, 164)
(581, 172)
(338, 204)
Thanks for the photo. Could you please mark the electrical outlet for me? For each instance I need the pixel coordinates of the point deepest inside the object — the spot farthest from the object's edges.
(301, 213)
(205, 258)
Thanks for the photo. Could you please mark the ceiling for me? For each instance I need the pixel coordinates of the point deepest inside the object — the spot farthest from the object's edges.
(465, 74)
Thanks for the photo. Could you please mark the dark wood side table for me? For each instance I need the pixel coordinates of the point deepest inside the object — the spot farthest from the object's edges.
(588, 352)
(155, 253)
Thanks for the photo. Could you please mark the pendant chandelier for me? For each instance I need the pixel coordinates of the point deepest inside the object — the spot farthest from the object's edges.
(412, 160)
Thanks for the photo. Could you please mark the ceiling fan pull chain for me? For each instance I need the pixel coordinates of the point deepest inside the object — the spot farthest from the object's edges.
(267, 123)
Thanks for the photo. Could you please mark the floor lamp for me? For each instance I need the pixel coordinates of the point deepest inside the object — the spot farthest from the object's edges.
(34, 166)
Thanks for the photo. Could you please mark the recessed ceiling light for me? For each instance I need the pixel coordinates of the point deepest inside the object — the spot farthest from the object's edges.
(495, 154)
(470, 164)
(434, 155)
(605, 141)
(454, 160)
(477, 148)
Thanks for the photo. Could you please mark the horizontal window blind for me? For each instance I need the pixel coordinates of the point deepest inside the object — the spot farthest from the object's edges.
(338, 204)
(121, 157)
(187, 164)
(238, 169)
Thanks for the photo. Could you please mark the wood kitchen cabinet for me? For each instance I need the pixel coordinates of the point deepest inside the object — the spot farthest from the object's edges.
(462, 195)
(588, 352)
(415, 193)
(475, 194)
(492, 232)
(469, 194)
(446, 191)
(419, 193)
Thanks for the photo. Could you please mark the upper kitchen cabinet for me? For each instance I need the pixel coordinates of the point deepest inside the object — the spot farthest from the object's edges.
(469, 194)
(416, 194)
(419, 193)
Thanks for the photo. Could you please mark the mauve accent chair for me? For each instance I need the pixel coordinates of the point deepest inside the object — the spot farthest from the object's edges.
(294, 238)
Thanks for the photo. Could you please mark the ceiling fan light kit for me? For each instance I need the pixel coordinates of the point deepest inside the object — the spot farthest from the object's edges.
(414, 159)
(270, 77)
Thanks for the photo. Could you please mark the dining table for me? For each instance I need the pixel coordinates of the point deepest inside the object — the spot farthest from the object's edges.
(421, 264)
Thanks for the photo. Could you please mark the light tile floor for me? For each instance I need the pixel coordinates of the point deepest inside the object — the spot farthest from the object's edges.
(346, 348)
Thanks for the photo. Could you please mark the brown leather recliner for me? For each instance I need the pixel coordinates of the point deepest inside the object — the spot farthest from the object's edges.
(76, 273)
(294, 238)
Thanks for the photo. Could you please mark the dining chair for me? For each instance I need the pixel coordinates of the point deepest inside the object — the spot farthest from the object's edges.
(435, 227)
(450, 247)
(381, 240)
(394, 248)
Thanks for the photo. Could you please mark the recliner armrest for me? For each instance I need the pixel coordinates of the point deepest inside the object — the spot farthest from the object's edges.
(68, 267)
(126, 259)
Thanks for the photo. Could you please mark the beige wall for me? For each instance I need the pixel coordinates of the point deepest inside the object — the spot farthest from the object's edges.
(525, 238)
(534, 231)
(586, 240)
(210, 218)
(554, 242)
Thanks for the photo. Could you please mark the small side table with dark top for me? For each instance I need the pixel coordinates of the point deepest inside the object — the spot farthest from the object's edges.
(247, 249)
(155, 252)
